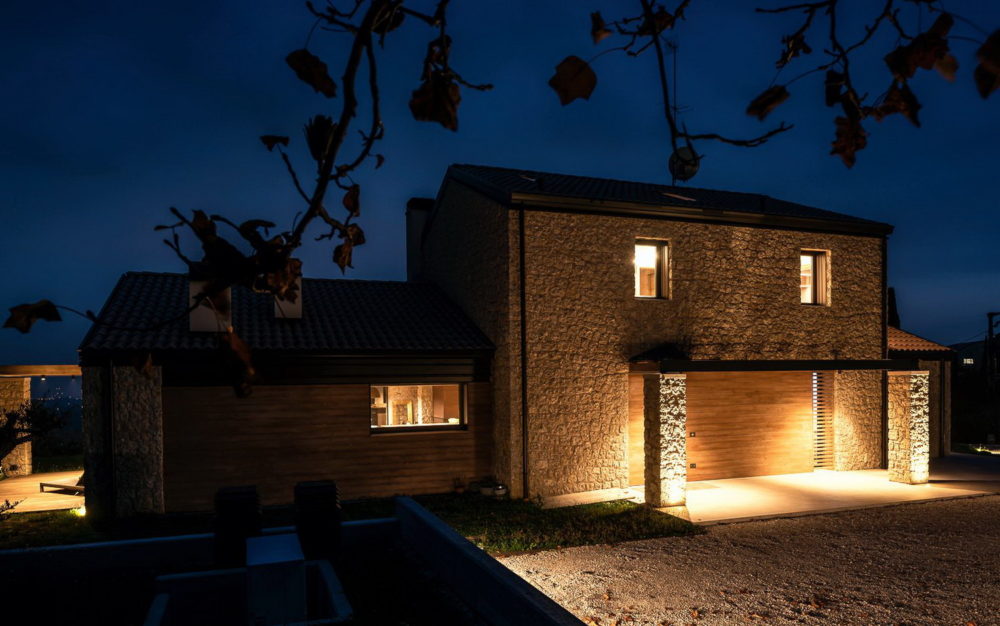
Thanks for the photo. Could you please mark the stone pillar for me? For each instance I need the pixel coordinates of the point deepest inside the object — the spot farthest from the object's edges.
(665, 428)
(909, 427)
(123, 431)
(14, 393)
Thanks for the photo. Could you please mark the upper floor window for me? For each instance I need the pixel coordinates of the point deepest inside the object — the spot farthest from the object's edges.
(814, 276)
(968, 361)
(402, 407)
(650, 269)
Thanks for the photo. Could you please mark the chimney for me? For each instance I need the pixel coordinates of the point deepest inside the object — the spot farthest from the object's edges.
(417, 211)
(209, 317)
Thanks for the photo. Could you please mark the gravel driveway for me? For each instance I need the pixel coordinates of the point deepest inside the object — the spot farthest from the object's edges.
(928, 563)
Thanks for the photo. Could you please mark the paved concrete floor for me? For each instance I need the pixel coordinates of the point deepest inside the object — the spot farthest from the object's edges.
(762, 497)
(24, 491)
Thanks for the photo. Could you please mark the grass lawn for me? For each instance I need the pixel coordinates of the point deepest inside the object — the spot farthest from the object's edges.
(496, 526)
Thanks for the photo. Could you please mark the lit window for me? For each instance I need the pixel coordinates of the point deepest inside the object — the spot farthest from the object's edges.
(650, 269)
(813, 277)
(417, 406)
(968, 361)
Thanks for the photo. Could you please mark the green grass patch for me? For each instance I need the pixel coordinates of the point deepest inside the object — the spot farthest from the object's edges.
(512, 526)
(25, 530)
(497, 526)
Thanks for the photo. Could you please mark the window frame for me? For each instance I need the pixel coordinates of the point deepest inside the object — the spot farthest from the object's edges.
(662, 268)
(821, 277)
(462, 425)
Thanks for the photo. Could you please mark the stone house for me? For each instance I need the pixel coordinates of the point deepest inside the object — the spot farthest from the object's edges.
(562, 334)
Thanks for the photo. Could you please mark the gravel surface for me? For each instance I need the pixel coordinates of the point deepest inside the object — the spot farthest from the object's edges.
(927, 563)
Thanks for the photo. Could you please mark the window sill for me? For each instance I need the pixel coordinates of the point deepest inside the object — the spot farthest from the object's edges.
(406, 430)
(651, 298)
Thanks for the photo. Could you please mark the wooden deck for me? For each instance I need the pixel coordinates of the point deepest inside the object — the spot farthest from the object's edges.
(24, 491)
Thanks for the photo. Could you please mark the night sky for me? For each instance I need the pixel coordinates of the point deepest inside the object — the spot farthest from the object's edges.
(114, 111)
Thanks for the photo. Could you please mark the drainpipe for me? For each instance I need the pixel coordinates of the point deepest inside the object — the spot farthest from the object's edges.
(524, 352)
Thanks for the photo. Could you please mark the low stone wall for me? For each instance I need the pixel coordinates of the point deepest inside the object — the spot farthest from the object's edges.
(14, 392)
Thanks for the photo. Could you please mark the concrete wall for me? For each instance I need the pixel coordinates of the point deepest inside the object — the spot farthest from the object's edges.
(735, 295)
(123, 435)
(14, 392)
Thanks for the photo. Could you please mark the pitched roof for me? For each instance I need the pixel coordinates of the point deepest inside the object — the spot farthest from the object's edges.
(508, 182)
(339, 316)
(902, 341)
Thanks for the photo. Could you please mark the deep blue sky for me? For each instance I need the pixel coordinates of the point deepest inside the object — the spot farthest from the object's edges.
(114, 111)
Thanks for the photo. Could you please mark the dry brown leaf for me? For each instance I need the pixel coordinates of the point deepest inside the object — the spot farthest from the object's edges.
(352, 200)
(573, 79)
(766, 102)
(851, 137)
(947, 67)
(987, 73)
(598, 30)
(23, 316)
(312, 70)
(794, 46)
(436, 100)
(899, 100)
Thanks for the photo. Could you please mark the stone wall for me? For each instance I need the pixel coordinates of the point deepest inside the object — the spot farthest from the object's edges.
(665, 440)
(14, 392)
(735, 295)
(909, 442)
(939, 405)
(857, 420)
(123, 435)
(469, 252)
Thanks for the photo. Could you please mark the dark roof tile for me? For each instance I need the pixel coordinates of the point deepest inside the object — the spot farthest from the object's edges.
(339, 316)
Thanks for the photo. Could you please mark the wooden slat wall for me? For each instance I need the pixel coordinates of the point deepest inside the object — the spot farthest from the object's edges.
(284, 434)
(749, 424)
(823, 404)
(636, 438)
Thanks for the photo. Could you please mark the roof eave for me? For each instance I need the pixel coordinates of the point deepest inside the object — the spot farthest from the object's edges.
(699, 214)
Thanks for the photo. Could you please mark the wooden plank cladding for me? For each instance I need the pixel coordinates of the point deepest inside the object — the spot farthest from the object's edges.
(636, 436)
(285, 434)
(749, 424)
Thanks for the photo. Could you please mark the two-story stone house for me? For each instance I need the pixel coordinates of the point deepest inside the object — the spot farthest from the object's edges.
(563, 334)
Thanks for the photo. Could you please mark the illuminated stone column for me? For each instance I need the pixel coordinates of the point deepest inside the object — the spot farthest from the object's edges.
(665, 415)
(909, 427)
(14, 393)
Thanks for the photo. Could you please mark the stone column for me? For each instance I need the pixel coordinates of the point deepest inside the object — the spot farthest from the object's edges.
(909, 427)
(14, 392)
(665, 428)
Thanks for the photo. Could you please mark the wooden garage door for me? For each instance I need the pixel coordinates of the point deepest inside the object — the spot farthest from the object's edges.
(749, 424)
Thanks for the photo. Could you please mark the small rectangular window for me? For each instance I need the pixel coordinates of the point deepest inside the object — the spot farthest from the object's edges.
(650, 269)
(430, 407)
(813, 277)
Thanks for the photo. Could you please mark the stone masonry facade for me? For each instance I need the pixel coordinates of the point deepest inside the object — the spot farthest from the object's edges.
(909, 427)
(14, 392)
(665, 426)
(734, 294)
(123, 435)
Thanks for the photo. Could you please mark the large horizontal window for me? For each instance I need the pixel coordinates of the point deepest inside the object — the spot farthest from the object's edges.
(400, 407)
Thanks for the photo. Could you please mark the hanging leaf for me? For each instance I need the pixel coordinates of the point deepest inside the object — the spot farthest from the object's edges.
(851, 137)
(573, 79)
(766, 102)
(598, 30)
(794, 46)
(352, 236)
(352, 200)
(947, 66)
(272, 140)
(987, 73)
(389, 19)
(662, 20)
(23, 316)
(312, 70)
(379, 160)
(437, 100)
(899, 100)
(319, 130)
(282, 282)
(924, 51)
